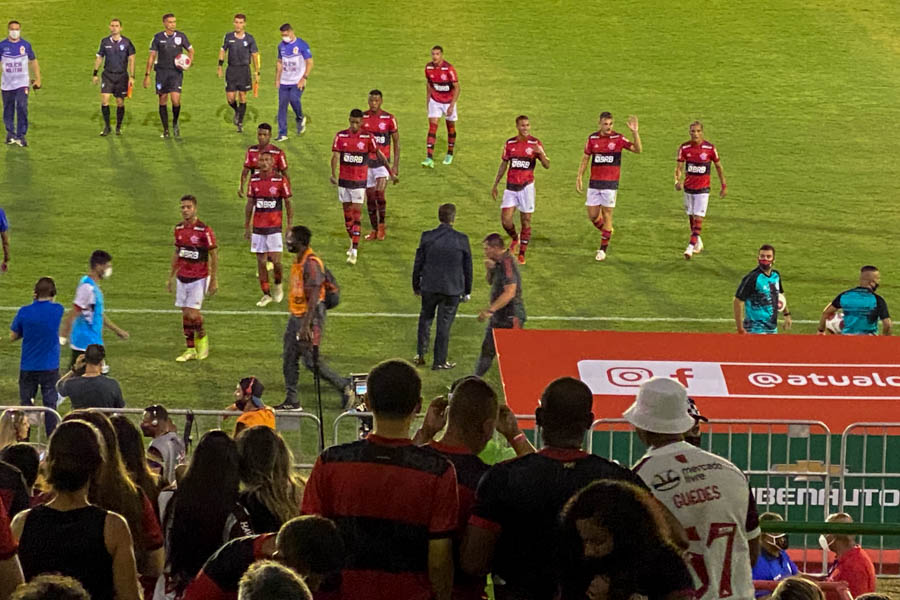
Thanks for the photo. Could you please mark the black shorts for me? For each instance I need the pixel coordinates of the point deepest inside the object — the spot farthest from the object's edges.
(114, 83)
(237, 79)
(168, 80)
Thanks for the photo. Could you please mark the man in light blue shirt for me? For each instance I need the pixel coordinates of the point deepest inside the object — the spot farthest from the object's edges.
(16, 56)
(84, 323)
(295, 63)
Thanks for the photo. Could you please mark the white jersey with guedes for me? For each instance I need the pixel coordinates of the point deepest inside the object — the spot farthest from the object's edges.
(711, 499)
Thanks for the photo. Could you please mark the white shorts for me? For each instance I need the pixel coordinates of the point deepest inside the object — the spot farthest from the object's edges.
(354, 195)
(375, 173)
(265, 242)
(190, 295)
(522, 199)
(436, 110)
(605, 198)
(696, 204)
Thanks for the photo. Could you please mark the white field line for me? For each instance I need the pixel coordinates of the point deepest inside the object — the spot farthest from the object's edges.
(390, 315)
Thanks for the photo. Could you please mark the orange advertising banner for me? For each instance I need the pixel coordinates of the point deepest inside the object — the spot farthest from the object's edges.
(835, 379)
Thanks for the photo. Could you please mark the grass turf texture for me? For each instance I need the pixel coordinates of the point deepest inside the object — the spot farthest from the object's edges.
(797, 96)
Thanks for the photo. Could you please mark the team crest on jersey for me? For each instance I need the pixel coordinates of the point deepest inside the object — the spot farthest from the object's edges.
(122, 47)
(296, 50)
(177, 39)
(611, 146)
(666, 481)
(245, 43)
(273, 190)
(382, 126)
(443, 77)
(195, 239)
(529, 151)
(22, 50)
(361, 145)
(703, 156)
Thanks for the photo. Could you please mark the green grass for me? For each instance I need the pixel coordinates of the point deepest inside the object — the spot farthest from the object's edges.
(799, 97)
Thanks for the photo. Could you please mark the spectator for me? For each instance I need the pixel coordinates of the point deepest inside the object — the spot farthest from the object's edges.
(14, 427)
(442, 276)
(13, 490)
(395, 503)
(873, 596)
(70, 535)
(851, 564)
(615, 538)
(87, 386)
(37, 325)
(10, 569)
(272, 493)
(310, 546)
(25, 458)
(51, 587)
(268, 580)
(131, 447)
(797, 588)
(204, 513)
(248, 399)
(773, 563)
(513, 531)
(720, 505)
(166, 450)
(695, 435)
(115, 491)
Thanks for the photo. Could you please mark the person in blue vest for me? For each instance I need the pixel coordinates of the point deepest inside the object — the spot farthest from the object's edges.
(862, 307)
(773, 563)
(83, 324)
(36, 324)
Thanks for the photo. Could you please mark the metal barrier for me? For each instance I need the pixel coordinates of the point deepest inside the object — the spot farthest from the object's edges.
(36, 419)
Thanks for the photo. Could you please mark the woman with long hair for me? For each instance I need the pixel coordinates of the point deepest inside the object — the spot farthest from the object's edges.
(204, 513)
(798, 588)
(114, 490)
(271, 492)
(615, 542)
(131, 447)
(70, 535)
(14, 427)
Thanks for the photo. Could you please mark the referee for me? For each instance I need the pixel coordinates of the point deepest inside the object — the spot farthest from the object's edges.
(118, 73)
(241, 47)
(164, 48)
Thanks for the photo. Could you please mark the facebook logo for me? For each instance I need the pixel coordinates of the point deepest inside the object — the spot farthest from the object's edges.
(623, 377)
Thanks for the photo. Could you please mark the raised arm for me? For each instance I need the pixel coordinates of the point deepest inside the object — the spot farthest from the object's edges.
(637, 148)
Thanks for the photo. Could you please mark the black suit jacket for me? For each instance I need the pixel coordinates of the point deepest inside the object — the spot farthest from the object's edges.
(443, 263)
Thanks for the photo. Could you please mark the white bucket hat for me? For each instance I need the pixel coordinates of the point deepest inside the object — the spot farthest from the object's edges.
(661, 406)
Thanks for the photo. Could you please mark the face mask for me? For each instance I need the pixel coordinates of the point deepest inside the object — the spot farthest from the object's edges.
(874, 287)
(765, 264)
(823, 543)
(286, 39)
(240, 404)
(107, 272)
(782, 542)
(14, 34)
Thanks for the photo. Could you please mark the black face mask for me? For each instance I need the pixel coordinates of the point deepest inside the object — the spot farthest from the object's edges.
(874, 287)
(782, 542)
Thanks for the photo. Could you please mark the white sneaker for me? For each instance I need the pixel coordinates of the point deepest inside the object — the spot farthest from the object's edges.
(350, 249)
(601, 255)
(698, 247)
(278, 294)
(688, 252)
(264, 301)
(281, 138)
(351, 258)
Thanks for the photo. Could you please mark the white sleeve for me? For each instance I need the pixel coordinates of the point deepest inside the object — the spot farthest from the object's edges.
(84, 296)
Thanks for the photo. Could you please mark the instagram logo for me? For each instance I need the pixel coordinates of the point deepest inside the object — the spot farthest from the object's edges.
(628, 376)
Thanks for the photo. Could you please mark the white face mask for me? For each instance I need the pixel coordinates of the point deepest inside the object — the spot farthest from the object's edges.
(286, 39)
(107, 272)
(14, 34)
(823, 543)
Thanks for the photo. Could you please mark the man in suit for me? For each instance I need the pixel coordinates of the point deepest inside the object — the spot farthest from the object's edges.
(442, 276)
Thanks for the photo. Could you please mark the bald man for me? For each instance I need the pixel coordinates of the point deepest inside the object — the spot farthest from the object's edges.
(851, 564)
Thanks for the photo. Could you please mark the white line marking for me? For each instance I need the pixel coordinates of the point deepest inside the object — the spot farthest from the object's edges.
(389, 315)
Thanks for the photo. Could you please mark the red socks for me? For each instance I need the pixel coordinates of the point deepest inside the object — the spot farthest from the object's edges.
(355, 216)
(605, 235)
(432, 132)
(696, 228)
(511, 230)
(451, 136)
(526, 236)
(372, 206)
(192, 328)
(598, 224)
(348, 216)
(381, 204)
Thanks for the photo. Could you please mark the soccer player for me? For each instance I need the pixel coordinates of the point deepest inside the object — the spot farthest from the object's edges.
(266, 194)
(117, 53)
(520, 156)
(16, 57)
(756, 299)
(241, 48)
(351, 148)
(251, 160)
(195, 264)
(295, 63)
(164, 48)
(383, 127)
(693, 160)
(863, 308)
(604, 151)
(441, 93)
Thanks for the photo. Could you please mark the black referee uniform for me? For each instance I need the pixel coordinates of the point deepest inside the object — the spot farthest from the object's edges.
(114, 80)
(237, 75)
(168, 76)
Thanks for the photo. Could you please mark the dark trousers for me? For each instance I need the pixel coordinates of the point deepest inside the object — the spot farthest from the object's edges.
(294, 351)
(29, 381)
(488, 349)
(15, 104)
(446, 311)
(288, 95)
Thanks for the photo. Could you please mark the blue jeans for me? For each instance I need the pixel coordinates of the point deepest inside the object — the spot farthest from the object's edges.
(15, 103)
(288, 94)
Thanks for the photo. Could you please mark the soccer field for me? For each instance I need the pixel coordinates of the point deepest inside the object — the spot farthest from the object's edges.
(800, 98)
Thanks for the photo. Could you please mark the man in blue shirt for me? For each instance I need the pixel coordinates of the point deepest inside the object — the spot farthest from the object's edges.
(773, 563)
(86, 319)
(863, 308)
(16, 56)
(4, 240)
(756, 299)
(294, 65)
(37, 325)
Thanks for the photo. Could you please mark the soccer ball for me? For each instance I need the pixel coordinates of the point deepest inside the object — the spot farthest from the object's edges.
(183, 62)
(782, 302)
(835, 323)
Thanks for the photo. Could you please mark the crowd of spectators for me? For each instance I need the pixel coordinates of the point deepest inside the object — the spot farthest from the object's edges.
(394, 515)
